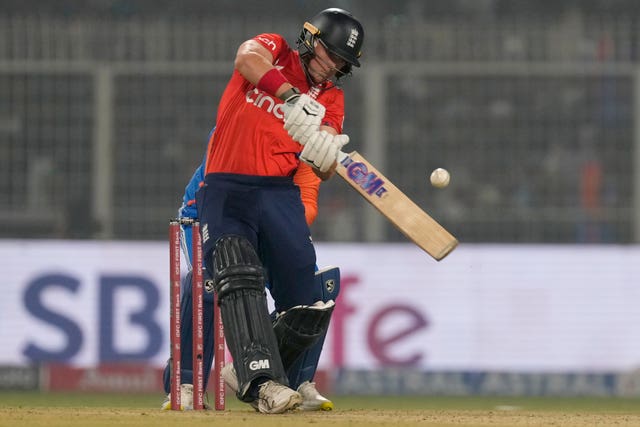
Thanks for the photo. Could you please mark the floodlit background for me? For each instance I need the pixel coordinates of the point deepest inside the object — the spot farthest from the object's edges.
(105, 108)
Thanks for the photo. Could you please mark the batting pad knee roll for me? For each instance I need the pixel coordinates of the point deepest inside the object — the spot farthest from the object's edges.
(236, 264)
(239, 282)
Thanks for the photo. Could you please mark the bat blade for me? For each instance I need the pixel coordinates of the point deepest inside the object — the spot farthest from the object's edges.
(392, 203)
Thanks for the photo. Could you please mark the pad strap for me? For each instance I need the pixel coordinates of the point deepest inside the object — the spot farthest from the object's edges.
(299, 328)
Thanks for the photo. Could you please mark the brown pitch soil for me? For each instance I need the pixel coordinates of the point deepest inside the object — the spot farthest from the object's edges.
(90, 416)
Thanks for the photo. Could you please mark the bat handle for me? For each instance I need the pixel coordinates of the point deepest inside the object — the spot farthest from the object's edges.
(341, 156)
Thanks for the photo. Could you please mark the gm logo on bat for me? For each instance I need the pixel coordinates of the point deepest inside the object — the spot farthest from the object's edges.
(358, 172)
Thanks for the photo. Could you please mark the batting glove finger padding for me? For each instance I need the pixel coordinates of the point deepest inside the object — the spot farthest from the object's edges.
(302, 117)
(321, 149)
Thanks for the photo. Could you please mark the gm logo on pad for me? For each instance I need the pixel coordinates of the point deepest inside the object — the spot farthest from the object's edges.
(255, 365)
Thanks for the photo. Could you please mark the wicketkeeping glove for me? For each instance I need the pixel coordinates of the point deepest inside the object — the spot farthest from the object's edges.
(302, 117)
(321, 149)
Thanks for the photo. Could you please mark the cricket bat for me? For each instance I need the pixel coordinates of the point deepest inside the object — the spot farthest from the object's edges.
(399, 209)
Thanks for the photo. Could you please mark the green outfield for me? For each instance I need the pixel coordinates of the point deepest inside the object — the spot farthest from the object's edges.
(73, 409)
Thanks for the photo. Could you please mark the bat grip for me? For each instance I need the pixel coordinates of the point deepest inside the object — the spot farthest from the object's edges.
(341, 156)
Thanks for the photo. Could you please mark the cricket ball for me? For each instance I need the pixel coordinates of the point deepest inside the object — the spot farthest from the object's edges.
(440, 178)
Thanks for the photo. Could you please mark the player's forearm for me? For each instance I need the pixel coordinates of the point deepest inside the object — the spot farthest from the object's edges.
(254, 63)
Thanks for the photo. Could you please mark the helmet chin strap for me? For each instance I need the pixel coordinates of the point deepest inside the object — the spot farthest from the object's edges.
(327, 83)
(304, 62)
(307, 53)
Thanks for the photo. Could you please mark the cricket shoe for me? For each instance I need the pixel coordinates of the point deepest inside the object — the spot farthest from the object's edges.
(186, 398)
(275, 398)
(312, 400)
(228, 374)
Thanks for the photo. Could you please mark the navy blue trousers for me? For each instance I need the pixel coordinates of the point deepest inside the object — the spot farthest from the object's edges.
(269, 213)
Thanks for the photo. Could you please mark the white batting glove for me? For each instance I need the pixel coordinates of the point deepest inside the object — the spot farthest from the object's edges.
(321, 149)
(302, 117)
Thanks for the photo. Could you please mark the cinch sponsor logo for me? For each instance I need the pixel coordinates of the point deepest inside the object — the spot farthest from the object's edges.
(269, 43)
(265, 102)
(254, 365)
(368, 181)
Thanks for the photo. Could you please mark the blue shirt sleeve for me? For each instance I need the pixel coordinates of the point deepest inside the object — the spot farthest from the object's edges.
(189, 208)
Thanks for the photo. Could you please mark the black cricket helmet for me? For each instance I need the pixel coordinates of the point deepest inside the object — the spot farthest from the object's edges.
(338, 31)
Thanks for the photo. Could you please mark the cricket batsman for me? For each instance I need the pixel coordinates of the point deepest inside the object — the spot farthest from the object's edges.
(303, 370)
(282, 107)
